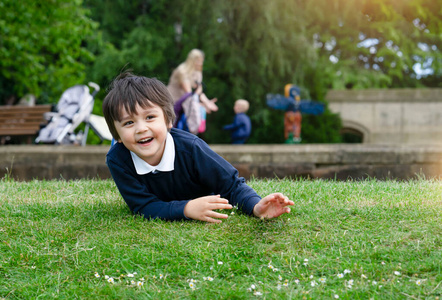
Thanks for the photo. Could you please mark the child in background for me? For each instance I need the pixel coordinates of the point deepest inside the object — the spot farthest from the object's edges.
(241, 126)
(163, 172)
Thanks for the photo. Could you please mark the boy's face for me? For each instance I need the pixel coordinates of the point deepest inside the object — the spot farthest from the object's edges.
(144, 133)
(238, 108)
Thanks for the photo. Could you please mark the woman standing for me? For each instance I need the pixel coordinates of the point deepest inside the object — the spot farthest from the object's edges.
(188, 77)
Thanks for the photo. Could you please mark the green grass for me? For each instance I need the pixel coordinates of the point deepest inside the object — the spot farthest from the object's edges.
(55, 235)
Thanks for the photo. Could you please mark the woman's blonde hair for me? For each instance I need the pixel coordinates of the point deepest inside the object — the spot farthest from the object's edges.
(188, 66)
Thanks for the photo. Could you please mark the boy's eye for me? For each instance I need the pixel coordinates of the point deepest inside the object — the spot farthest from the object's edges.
(127, 123)
(149, 117)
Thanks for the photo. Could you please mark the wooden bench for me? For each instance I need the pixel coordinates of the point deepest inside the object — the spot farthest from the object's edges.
(22, 120)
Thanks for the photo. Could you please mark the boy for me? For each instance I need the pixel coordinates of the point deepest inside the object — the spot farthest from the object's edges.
(241, 126)
(168, 173)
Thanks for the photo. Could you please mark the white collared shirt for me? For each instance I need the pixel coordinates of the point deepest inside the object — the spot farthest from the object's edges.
(166, 163)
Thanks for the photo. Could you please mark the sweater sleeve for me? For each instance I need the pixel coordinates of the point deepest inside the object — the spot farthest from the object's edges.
(222, 178)
(139, 199)
(233, 125)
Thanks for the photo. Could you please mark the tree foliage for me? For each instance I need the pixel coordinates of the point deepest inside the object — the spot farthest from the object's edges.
(252, 48)
(378, 43)
(42, 47)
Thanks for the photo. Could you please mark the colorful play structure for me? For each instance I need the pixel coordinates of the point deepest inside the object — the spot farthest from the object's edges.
(294, 107)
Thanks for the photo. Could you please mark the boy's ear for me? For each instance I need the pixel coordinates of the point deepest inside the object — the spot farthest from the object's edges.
(170, 125)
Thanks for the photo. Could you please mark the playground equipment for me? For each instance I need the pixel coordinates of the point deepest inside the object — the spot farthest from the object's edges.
(294, 107)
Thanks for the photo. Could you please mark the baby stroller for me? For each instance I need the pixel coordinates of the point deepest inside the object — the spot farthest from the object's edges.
(75, 107)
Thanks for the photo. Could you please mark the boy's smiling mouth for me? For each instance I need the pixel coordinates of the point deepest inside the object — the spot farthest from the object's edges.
(145, 140)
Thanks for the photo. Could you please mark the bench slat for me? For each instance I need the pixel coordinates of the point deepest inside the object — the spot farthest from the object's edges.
(17, 131)
(22, 120)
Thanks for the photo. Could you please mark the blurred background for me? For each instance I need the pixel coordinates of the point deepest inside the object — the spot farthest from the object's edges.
(251, 48)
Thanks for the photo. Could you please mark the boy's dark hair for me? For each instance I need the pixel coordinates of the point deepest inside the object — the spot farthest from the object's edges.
(128, 90)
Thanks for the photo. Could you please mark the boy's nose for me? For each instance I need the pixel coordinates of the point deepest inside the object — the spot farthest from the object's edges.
(141, 128)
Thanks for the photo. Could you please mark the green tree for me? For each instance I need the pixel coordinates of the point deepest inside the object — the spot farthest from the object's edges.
(377, 43)
(42, 47)
(256, 47)
(252, 48)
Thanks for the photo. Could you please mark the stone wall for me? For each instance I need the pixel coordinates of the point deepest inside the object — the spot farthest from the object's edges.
(327, 161)
(391, 116)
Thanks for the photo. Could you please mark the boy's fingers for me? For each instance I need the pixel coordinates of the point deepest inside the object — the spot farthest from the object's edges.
(210, 220)
(217, 199)
(221, 206)
(210, 217)
(217, 215)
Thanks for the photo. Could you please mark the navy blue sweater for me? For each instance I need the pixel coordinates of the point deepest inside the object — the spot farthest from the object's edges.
(198, 171)
(241, 128)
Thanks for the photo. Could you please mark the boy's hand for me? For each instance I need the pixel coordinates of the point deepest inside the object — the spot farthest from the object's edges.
(203, 208)
(272, 206)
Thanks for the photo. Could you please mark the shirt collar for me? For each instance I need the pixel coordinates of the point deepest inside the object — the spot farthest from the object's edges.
(166, 164)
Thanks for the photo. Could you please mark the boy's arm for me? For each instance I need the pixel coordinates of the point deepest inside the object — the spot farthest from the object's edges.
(221, 177)
(232, 126)
(140, 200)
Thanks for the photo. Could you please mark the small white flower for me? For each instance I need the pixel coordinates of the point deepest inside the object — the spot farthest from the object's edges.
(322, 280)
(340, 275)
(110, 280)
(232, 213)
(161, 276)
(306, 260)
(220, 263)
(192, 285)
(253, 286)
(336, 296)
(210, 278)
(139, 283)
(132, 282)
(142, 278)
(297, 281)
(278, 287)
(383, 263)
(397, 273)
(305, 264)
(311, 277)
(257, 293)
(280, 277)
(363, 276)
(313, 283)
(418, 282)
(275, 269)
(374, 282)
(97, 275)
(270, 266)
(286, 284)
(106, 277)
(351, 281)
(347, 271)
(130, 275)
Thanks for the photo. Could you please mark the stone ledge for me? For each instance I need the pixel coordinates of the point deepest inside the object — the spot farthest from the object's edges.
(328, 161)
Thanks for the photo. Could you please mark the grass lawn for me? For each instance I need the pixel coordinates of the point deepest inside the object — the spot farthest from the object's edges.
(343, 240)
